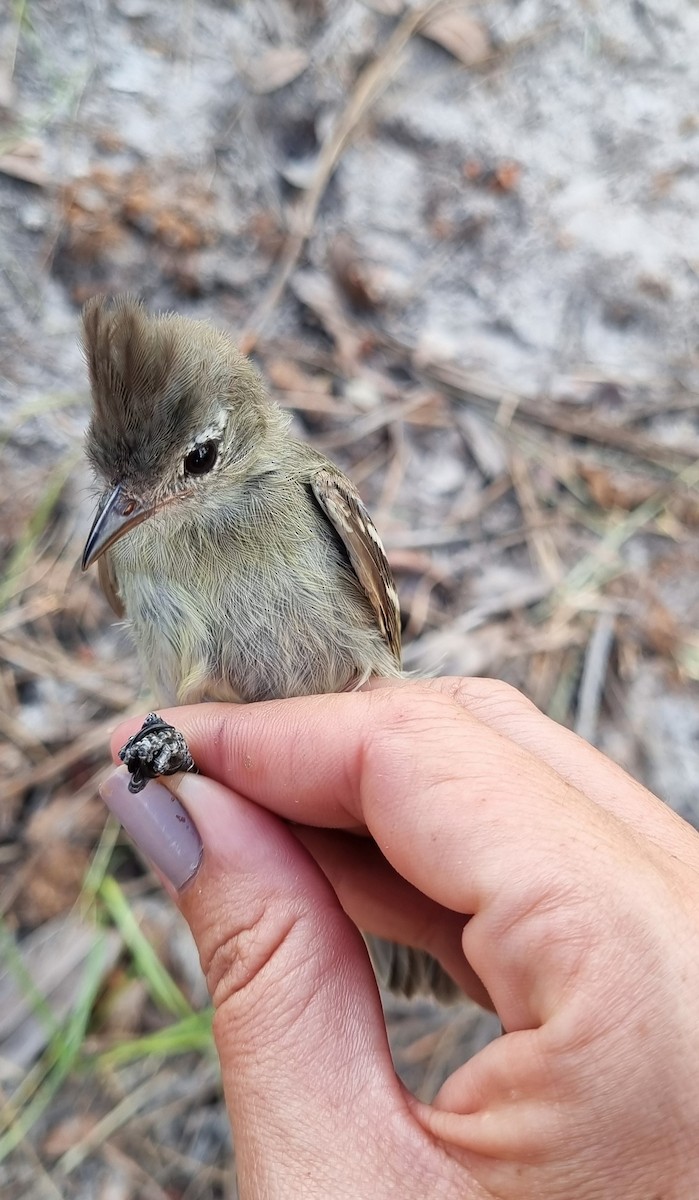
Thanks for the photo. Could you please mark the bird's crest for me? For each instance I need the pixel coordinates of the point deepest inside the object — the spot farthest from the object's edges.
(153, 378)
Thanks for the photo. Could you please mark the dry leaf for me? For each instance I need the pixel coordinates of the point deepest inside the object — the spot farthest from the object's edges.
(298, 389)
(612, 489)
(181, 222)
(458, 33)
(660, 630)
(355, 276)
(288, 376)
(417, 562)
(53, 884)
(276, 68)
(617, 489)
(123, 1006)
(507, 175)
(266, 229)
(319, 293)
(504, 176)
(64, 818)
(66, 1134)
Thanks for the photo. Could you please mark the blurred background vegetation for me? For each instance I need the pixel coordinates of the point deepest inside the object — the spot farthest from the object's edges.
(461, 243)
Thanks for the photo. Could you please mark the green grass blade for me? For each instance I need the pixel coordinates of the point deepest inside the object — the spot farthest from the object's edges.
(160, 983)
(99, 865)
(15, 964)
(61, 1055)
(190, 1034)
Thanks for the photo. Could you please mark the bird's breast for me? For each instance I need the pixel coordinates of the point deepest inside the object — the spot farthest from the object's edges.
(242, 618)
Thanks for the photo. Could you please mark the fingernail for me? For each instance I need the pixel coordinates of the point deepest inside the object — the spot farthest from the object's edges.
(158, 824)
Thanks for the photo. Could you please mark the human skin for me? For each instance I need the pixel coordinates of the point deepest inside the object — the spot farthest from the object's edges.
(450, 814)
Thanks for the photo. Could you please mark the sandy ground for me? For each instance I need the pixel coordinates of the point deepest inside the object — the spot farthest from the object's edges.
(469, 264)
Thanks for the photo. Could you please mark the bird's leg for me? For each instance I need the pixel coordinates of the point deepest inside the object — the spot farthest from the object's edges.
(156, 749)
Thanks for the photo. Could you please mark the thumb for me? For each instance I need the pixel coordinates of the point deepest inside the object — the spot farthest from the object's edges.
(298, 1022)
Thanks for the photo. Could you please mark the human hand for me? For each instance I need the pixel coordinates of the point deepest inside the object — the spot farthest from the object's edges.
(583, 896)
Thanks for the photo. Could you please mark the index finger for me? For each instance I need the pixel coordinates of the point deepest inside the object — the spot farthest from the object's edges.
(426, 777)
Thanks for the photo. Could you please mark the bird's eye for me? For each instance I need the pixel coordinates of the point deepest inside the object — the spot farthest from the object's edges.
(201, 459)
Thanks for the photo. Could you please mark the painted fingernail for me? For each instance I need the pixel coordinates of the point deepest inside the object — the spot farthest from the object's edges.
(158, 824)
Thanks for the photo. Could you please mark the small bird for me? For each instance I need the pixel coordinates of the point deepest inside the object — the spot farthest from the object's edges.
(244, 561)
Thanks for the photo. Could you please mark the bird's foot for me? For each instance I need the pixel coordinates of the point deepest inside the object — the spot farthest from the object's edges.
(156, 749)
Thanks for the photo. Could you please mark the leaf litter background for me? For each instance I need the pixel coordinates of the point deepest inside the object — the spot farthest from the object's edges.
(462, 245)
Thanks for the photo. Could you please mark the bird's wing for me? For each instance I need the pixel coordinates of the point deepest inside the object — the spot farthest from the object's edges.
(107, 578)
(355, 528)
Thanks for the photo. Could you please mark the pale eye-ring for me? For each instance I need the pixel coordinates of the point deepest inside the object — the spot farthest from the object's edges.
(201, 459)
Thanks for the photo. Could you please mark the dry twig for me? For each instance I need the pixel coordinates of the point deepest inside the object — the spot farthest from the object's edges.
(371, 83)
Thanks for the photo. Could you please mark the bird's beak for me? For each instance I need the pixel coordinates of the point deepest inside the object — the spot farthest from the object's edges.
(115, 517)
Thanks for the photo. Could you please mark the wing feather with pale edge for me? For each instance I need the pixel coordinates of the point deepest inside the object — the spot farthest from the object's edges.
(355, 528)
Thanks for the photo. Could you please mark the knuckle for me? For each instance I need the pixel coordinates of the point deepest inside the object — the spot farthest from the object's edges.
(404, 708)
(428, 721)
(244, 954)
(488, 697)
(409, 718)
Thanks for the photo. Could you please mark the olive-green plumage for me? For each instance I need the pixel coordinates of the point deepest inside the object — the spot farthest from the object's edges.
(244, 561)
